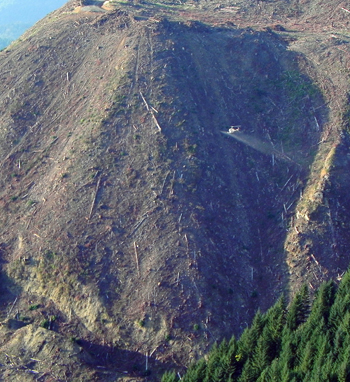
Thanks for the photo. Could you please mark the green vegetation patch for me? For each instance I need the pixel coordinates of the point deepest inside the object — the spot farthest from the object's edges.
(307, 342)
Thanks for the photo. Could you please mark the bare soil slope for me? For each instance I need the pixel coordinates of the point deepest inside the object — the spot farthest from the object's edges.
(130, 224)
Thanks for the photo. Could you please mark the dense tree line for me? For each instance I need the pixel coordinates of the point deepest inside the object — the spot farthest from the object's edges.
(303, 342)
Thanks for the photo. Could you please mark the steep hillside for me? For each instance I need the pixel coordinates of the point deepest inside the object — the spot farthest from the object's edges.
(130, 223)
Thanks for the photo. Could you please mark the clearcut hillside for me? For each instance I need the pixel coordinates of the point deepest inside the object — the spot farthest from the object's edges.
(133, 231)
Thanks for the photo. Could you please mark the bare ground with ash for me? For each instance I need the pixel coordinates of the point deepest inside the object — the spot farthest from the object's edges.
(131, 227)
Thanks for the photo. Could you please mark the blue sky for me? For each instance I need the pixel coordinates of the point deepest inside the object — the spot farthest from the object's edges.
(16, 16)
(28, 11)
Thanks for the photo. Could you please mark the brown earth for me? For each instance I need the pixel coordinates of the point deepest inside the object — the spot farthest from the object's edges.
(131, 226)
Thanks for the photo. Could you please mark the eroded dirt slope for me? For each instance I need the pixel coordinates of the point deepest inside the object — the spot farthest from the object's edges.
(130, 223)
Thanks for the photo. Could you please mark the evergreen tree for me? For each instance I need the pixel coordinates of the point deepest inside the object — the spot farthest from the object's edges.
(170, 377)
(272, 373)
(343, 367)
(275, 322)
(341, 305)
(322, 305)
(298, 344)
(290, 342)
(324, 350)
(261, 357)
(248, 372)
(250, 336)
(229, 361)
(344, 371)
(195, 372)
(299, 309)
(212, 364)
(306, 362)
(344, 286)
